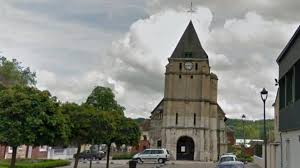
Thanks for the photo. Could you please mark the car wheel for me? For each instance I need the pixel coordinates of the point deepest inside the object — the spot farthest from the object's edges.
(161, 161)
(139, 160)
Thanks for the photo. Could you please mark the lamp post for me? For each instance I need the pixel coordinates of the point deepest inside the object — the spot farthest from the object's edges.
(244, 117)
(264, 96)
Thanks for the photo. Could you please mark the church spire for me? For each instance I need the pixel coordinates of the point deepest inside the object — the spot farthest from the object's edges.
(189, 45)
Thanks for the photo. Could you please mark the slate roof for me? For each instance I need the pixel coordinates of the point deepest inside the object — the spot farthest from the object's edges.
(189, 43)
(159, 107)
(289, 45)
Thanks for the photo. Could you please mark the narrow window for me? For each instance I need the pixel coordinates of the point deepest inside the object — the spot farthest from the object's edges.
(282, 93)
(176, 122)
(196, 66)
(290, 87)
(179, 76)
(195, 118)
(192, 77)
(180, 66)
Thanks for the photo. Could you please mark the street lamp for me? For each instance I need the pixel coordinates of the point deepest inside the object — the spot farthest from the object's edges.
(264, 96)
(243, 147)
(244, 117)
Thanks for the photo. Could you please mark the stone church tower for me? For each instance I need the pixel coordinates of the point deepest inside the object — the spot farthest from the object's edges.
(188, 121)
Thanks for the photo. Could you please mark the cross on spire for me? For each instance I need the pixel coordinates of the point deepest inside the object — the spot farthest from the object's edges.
(191, 9)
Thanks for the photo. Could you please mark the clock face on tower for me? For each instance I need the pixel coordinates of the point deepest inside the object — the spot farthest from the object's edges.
(188, 65)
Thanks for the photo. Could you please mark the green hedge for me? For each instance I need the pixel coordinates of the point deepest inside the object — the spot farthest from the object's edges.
(36, 163)
(122, 156)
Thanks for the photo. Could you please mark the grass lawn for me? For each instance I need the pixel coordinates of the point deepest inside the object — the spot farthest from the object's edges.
(26, 163)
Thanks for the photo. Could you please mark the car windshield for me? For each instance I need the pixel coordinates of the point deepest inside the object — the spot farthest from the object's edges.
(230, 166)
(226, 159)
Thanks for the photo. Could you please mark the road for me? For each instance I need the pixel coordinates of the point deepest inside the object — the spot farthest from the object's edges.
(171, 164)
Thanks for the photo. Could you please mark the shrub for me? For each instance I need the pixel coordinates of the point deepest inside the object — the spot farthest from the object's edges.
(36, 163)
(245, 159)
(122, 156)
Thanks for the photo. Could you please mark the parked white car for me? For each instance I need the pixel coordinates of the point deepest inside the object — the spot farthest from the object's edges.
(227, 158)
(152, 155)
(231, 164)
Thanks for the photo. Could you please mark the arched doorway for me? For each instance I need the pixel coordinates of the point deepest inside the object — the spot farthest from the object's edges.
(185, 148)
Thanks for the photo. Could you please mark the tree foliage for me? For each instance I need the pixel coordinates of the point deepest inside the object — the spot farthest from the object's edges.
(123, 131)
(89, 125)
(103, 99)
(110, 124)
(128, 132)
(30, 116)
(12, 73)
(78, 118)
(253, 129)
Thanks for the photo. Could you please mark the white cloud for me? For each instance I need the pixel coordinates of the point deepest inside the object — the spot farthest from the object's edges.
(242, 53)
(79, 47)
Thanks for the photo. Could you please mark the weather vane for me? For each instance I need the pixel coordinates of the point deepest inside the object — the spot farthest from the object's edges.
(191, 9)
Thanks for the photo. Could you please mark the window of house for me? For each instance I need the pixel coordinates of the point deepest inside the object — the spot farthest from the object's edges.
(176, 122)
(43, 148)
(282, 93)
(192, 77)
(145, 137)
(195, 118)
(179, 76)
(297, 81)
(180, 66)
(196, 66)
(290, 87)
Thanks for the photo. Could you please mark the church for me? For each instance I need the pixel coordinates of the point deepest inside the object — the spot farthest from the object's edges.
(188, 121)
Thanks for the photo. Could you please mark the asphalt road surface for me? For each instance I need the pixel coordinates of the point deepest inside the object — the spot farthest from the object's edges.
(170, 164)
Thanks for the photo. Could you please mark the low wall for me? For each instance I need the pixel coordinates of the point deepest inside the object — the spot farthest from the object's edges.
(259, 161)
(61, 153)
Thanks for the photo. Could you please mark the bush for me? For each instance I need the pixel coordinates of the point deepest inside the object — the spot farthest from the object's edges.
(245, 159)
(122, 156)
(36, 163)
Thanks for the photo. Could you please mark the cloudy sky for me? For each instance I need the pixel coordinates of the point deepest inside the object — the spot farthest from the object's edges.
(75, 45)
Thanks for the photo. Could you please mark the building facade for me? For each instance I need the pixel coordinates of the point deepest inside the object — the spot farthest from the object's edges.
(144, 139)
(188, 121)
(24, 151)
(287, 105)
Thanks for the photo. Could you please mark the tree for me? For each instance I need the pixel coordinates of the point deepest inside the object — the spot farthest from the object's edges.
(32, 117)
(125, 131)
(12, 73)
(86, 125)
(103, 99)
(77, 125)
(116, 128)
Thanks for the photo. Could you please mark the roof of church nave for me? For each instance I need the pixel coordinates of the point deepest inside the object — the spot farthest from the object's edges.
(189, 45)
